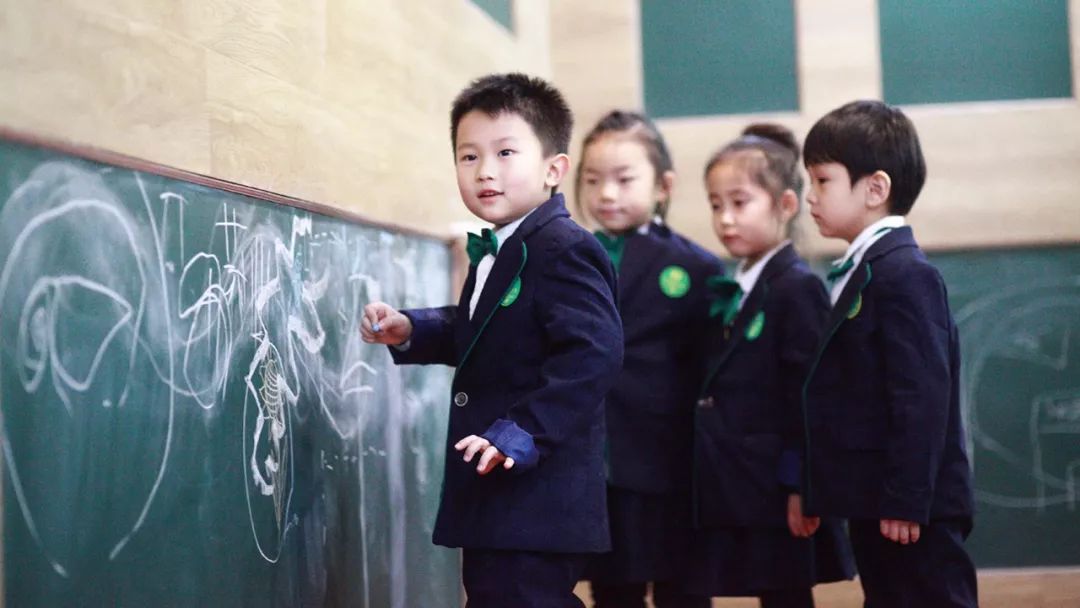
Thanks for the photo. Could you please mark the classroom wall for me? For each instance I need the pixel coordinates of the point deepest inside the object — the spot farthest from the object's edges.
(341, 102)
(345, 103)
(1000, 173)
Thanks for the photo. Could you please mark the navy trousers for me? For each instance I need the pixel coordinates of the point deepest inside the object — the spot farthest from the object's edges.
(632, 595)
(936, 571)
(521, 579)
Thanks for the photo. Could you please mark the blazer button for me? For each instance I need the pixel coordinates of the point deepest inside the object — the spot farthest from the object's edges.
(706, 402)
(461, 399)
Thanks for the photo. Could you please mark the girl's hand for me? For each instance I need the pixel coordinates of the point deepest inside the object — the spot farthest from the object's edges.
(900, 531)
(383, 324)
(800, 526)
(490, 456)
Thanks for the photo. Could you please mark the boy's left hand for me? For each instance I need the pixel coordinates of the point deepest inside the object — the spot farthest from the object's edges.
(900, 531)
(490, 456)
(800, 525)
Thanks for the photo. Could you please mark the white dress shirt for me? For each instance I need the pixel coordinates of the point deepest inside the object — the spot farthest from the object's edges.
(483, 268)
(747, 277)
(858, 247)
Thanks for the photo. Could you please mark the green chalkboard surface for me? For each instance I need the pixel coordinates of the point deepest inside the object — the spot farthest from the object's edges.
(187, 414)
(1018, 311)
(707, 58)
(500, 10)
(944, 51)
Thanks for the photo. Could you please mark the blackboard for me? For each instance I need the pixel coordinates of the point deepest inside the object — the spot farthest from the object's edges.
(188, 415)
(935, 51)
(707, 58)
(1018, 312)
(501, 11)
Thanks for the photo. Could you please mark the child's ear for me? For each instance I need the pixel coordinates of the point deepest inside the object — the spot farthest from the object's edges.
(665, 185)
(789, 205)
(558, 167)
(878, 189)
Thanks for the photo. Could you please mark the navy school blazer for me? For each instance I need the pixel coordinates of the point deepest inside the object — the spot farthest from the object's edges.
(748, 425)
(650, 408)
(882, 402)
(533, 365)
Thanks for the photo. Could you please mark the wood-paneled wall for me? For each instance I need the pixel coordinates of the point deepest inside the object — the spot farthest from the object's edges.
(1000, 173)
(342, 102)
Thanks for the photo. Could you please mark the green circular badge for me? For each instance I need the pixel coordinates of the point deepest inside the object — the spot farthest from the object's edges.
(512, 294)
(856, 306)
(753, 330)
(674, 281)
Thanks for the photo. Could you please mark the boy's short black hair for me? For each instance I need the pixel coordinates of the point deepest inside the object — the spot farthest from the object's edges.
(533, 99)
(868, 136)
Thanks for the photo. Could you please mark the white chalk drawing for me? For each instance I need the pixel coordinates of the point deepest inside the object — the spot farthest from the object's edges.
(1055, 417)
(1034, 329)
(93, 287)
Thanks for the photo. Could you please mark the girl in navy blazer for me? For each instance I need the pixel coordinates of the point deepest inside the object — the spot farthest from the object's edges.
(764, 325)
(624, 183)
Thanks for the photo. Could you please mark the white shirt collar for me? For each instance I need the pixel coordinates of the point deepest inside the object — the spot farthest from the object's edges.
(508, 230)
(483, 268)
(858, 248)
(747, 277)
(866, 237)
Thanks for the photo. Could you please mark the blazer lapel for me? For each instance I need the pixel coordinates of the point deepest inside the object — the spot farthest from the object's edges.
(779, 263)
(751, 307)
(508, 266)
(462, 324)
(637, 261)
(852, 294)
(734, 335)
(507, 269)
(851, 297)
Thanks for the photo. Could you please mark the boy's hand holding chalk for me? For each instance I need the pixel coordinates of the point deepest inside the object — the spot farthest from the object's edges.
(383, 324)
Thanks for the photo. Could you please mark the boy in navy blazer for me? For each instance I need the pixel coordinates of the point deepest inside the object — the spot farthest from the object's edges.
(537, 342)
(884, 438)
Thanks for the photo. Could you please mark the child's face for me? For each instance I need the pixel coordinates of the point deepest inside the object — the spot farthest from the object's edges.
(502, 173)
(619, 186)
(745, 218)
(839, 208)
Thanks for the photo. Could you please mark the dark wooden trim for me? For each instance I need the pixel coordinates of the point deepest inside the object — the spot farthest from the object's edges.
(117, 159)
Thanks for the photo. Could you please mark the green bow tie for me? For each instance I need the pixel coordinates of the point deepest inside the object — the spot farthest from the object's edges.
(480, 245)
(614, 245)
(726, 297)
(840, 269)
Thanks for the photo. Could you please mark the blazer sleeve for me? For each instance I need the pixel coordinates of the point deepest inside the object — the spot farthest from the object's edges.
(806, 311)
(914, 321)
(432, 339)
(584, 341)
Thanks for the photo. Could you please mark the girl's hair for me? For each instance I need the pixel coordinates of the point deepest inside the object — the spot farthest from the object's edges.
(644, 132)
(770, 155)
